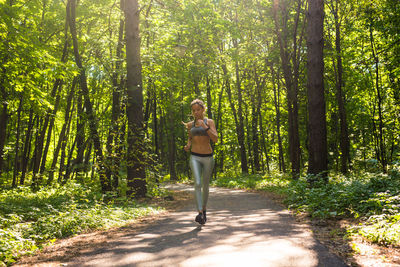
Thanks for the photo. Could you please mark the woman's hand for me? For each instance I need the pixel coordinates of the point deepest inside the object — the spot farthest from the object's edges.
(201, 123)
(186, 124)
(187, 147)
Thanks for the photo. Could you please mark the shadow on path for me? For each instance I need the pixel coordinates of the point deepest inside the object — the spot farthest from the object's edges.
(243, 229)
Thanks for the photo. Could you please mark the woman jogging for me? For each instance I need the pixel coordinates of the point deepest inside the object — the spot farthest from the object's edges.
(200, 131)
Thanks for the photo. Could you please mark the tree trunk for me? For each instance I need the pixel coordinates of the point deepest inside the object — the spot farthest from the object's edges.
(63, 149)
(39, 156)
(155, 124)
(344, 136)
(69, 167)
(112, 140)
(291, 87)
(51, 115)
(246, 125)
(3, 122)
(49, 132)
(264, 146)
(105, 184)
(17, 158)
(135, 154)
(80, 131)
(209, 100)
(62, 135)
(27, 147)
(239, 133)
(381, 141)
(318, 154)
(275, 80)
(256, 149)
(218, 124)
(241, 136)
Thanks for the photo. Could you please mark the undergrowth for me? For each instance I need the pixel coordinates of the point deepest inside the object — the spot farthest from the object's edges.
(30, 220)
(372, 198)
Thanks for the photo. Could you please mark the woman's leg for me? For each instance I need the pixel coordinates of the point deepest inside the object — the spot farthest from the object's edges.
(207, 172)
(197, 169)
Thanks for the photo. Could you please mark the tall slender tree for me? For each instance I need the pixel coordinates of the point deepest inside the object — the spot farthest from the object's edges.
(135, 154)
(340, 97)
(318, 152)
(290, 52)
(105, 184)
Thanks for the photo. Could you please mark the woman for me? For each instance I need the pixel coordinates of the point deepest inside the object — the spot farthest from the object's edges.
(200, 131)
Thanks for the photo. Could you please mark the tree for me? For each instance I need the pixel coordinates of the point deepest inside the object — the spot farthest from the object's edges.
(291, 74)
(340, 97)
(135, 153)
(318, 153)
(105, 184)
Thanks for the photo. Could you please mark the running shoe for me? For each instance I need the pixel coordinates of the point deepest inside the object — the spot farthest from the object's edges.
(200, 218)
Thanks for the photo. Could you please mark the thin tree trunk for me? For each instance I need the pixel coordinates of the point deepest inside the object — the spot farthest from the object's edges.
(209, 100)
(381, 141)
(3, 121)
(112, 140)
(49, 133)
(239, 125)
(70, 165)
(171, 138)
(241, 136)
(196, 85)
(27, 147)
(63, 151)
(318, 153)
(275, 81)
(291, 87)
(80, 131)
(247, 126)
(62, 135)
(38, 155)
(255, 120)
(264, 146)
(16, 159)
(38, 142)
(218, 124)
(105, 184)
(155, 124)
(136, 175)
(52, 117)
(344, 136)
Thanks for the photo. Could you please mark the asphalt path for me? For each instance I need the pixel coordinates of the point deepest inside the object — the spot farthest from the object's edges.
(243, 229)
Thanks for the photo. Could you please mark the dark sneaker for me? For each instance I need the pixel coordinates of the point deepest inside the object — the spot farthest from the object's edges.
(200, 218)
(205, 216)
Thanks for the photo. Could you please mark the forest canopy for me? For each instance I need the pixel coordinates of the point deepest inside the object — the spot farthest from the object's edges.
(246, 59)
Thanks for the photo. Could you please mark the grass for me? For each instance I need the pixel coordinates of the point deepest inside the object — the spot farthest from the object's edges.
(30, 220)
(372, 198)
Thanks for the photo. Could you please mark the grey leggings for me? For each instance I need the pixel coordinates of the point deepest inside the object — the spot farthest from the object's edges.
(202, 168)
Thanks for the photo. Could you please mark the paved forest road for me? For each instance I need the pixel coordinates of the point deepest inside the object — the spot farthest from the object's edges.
(243, 229)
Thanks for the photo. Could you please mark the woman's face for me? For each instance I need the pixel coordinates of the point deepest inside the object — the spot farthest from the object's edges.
(197, 111)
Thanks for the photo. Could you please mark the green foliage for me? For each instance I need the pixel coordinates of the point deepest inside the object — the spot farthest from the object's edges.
(382, 229)
(29, 220)
(271, 182)
(372, 197)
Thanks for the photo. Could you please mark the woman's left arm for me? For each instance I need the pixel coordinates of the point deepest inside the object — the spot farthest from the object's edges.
(212, 131)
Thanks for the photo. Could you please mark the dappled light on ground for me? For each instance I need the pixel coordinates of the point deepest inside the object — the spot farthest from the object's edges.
(243, 229)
